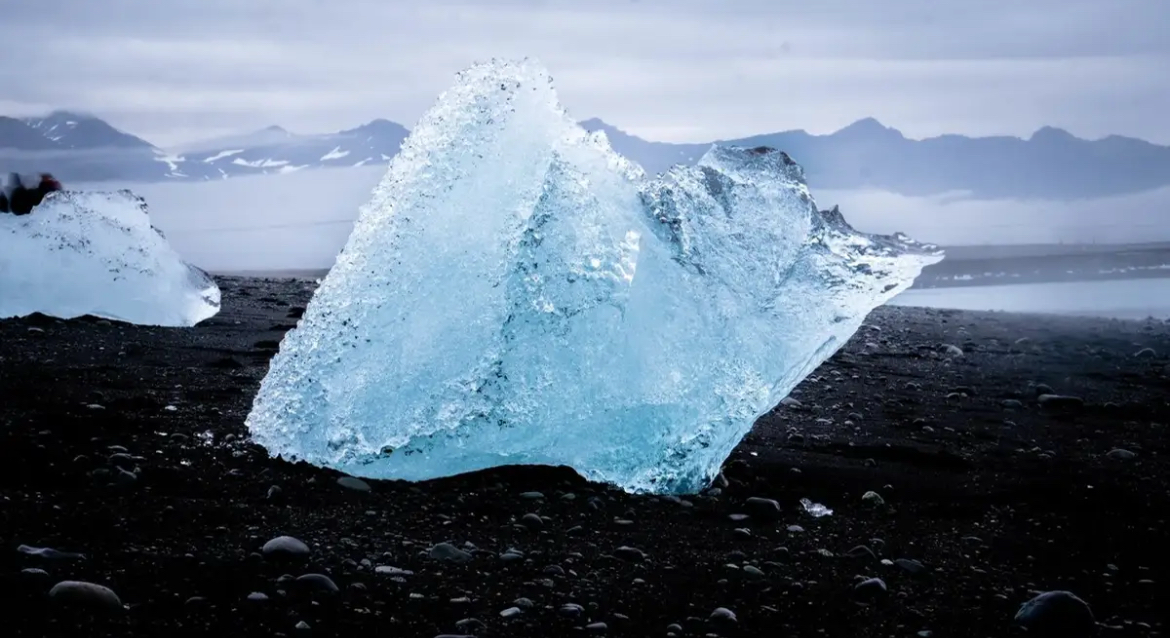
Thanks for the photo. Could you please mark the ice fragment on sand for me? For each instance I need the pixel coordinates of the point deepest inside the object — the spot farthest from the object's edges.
(816, 510)
(517, 293)
(95, 253)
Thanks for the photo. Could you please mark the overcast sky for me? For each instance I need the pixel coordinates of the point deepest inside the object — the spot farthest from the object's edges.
(678, 70)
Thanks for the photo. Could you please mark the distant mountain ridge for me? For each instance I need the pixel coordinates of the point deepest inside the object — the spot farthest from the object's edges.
(1051, 164)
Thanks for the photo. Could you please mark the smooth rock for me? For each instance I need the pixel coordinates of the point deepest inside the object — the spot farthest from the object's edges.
(763, 507)
(723, 614)
(352, 483)
(1059, 401)
(285, 546)
(1057, 614)
(632, 554)
(83, 595)
(317, 582)
(873, 498)
(48, 553)
(450, 553)
(871, 588)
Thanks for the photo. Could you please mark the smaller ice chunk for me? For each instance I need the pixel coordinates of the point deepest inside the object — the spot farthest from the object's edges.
(816, 510)
(96, 253)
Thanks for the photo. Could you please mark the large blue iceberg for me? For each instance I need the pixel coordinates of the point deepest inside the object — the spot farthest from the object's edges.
(517, 293)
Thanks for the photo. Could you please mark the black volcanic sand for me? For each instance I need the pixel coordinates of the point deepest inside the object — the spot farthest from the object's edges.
(126, 444)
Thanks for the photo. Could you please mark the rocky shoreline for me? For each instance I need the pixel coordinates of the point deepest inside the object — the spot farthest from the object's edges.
(959, 490)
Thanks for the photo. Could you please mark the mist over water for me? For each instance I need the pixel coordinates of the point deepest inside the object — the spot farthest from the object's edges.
(1118, 299)
(299, 221)
(290, 221)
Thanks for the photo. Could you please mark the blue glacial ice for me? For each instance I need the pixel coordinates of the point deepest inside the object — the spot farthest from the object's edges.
(517, 293)
(96, 253)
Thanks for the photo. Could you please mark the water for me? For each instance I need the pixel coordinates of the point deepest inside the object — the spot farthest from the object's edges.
(1120, 299)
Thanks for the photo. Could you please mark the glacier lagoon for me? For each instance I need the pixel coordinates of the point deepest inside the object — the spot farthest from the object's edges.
(96, 253)
(515, 292)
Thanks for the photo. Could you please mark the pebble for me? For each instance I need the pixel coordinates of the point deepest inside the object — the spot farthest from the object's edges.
(763, 507)
(1057, 613)
(257, 597)
(861, 551)
(596, 628)
(910, 565)
(390, 570)
(532, 521)
(723, 614)
(571, 610)
(319, 582)
(873, 498)
(285, 546)
(35, 573)
(632, 554)
(450, 553)
(511, 612)
(470, 624)
(352, 483)
(1120, 454)
(1057, 401)
(122, 477)
(48, 553)
(870, 588)
(532, 496)
(81, 594)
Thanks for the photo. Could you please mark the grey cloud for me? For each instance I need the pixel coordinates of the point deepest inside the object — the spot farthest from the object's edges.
(695, 69)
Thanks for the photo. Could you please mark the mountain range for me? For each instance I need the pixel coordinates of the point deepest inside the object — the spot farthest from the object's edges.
(1050, 164)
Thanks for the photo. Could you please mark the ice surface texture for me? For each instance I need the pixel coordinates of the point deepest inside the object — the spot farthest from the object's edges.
(95, 253)
(517, 293)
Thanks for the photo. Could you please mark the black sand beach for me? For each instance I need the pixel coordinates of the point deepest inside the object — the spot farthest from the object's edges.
(126, 444)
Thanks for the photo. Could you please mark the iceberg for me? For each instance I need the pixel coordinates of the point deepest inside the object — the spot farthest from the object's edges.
(96, 253)
(515, 292)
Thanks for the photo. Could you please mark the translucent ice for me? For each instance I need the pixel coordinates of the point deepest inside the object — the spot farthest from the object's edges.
(517, 293)
(96, 253)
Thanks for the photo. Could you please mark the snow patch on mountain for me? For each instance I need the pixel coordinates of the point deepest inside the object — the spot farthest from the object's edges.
(222, 154)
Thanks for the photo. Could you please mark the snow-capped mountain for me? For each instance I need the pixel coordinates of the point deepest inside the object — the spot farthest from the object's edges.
(266, 136)
(372, 143)
(80, 131)
(82, 148)
(1051, 164)
(15, 135)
